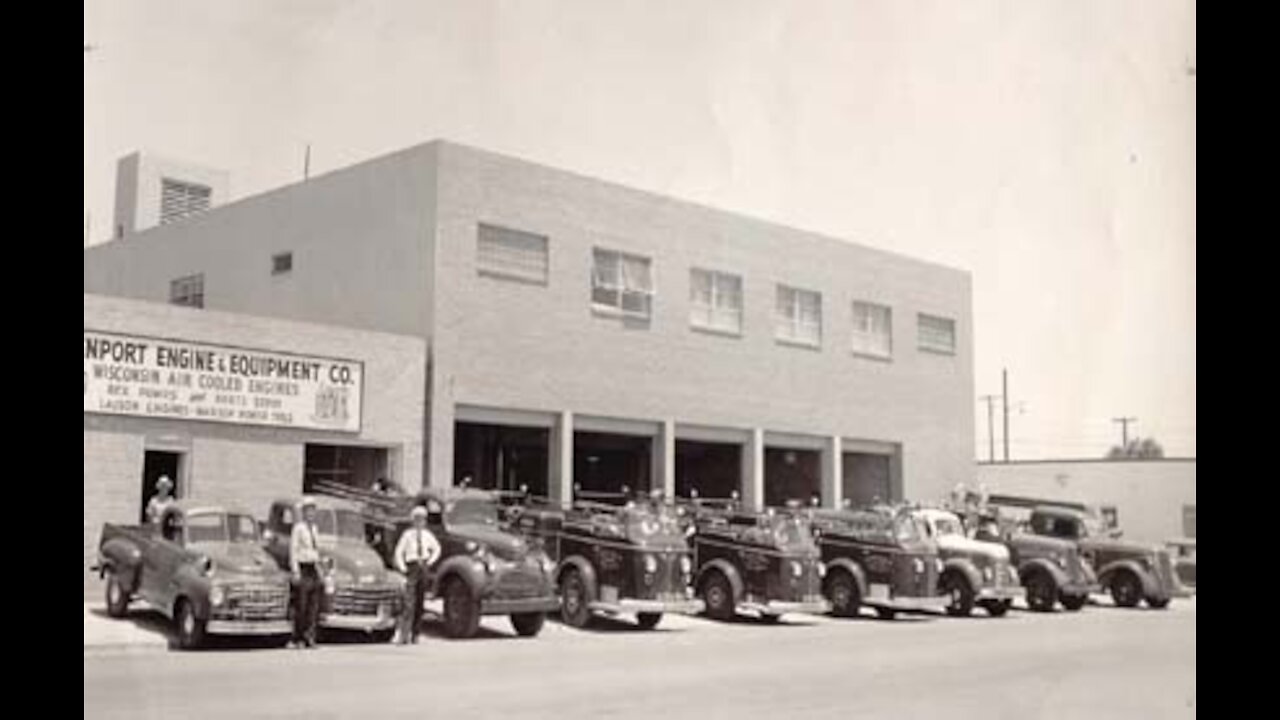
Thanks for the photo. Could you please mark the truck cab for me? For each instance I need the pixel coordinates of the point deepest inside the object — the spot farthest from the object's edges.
(974, 572)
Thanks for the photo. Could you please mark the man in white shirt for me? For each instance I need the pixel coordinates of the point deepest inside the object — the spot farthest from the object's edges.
(161, 500)
(417, 550)
(308, 586)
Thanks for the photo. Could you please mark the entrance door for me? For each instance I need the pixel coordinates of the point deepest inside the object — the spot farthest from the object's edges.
(157, 464)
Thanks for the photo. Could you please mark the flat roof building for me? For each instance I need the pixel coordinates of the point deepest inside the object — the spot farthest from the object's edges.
(583, 334)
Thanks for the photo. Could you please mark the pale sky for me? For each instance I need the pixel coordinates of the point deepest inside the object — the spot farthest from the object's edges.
(1048, 147)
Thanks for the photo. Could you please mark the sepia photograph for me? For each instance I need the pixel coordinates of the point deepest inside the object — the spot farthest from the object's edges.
(616, 359)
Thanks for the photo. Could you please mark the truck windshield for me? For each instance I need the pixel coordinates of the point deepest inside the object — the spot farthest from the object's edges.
(472, 511)
(346, 524)
(947, 525)
(905, 528)
(650, 522)
(792, 532)
(221, 527)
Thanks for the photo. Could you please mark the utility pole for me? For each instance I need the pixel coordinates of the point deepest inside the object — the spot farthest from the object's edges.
(1124, 429)
(306, 164)
(990, 400)
(1004, 401)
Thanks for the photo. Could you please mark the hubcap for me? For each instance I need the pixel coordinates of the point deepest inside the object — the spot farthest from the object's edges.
(572, 597)
(188, 622)
(840, 595)
(715, 596)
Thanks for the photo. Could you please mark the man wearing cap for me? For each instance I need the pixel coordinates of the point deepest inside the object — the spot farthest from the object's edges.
(308, 587)
(414, 555)
(161, 500)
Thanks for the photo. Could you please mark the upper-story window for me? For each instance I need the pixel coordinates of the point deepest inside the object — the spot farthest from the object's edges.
(715, 301)
(282, 263)
(188, 291)
(180, 199)
(872, 329)
(936, 334)
(508, 253)
(622, 282)
(798, 316)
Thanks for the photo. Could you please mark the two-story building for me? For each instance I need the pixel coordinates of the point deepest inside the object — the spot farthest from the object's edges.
(581, 333)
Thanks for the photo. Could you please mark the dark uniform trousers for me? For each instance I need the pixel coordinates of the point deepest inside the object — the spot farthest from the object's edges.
(414, 590)
(307, 596)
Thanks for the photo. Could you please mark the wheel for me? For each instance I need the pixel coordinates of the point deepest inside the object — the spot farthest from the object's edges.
(1157, 603)
(574, 600)
(648, 621)
(190, 628)
(842, 591)
(1126, 589)
(528, 624)
(886, 613)
(1042, 592)
(117, 598)
(957, 587)
(997, 608)
(770, 618)
(1072, 602)
(718, 595)
(461, 609)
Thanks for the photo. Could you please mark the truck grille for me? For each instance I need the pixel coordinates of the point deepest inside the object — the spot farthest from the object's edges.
(363, 601)
(254, 602)
(519, 583)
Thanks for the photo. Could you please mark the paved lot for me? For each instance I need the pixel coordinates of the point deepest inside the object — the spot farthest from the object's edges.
(1103, 662)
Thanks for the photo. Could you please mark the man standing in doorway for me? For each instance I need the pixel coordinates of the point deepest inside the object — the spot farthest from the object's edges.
(417, 550)
(308, 587)
(161, 500)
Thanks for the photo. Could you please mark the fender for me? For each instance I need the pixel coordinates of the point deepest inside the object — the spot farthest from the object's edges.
(585, 570)
(463, 566)
(724, 566)
(1150, 586)
(968, 569)
(124, 558)
(1042, 565)
(854, 569)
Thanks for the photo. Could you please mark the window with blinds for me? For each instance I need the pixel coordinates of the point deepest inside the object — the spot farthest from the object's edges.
(514, 254)
(622, 282)
(872, 329)
(188, 291)
(798, 316)
(180, 199)
(936, 334)
(715, 301)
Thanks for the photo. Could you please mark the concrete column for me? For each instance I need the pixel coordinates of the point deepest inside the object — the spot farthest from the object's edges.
(833, 472)
(753, 471)
(440, 443)
(664, 460)
(560, 461)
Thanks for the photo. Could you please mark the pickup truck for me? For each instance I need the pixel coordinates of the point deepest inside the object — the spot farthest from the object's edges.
(360, 592)
(974, 572)
(202, 567)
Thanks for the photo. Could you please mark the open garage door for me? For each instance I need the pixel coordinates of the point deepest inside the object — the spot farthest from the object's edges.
(608, 462)
(868, 478)
(714, 469)
(791, 474)
(501, 457)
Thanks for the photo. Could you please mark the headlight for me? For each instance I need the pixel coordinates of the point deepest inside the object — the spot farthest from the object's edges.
(1060, 559)
(796, 569)
(206, 566)
(686, 564)
(1013, 575)
(938, 565)
(650, 564)
(548, 565)
(988, 574)
(918, 564)
(822, 569)
(472, 546)
(217, 595)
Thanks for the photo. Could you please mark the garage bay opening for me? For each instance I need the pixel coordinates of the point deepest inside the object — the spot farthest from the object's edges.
(501, 457)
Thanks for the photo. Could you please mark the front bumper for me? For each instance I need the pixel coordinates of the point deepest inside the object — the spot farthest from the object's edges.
(636, 605)
(808, 606)
(248, 627)
(936, 603)
(1001, 593)
(358, 622)
(511, 606)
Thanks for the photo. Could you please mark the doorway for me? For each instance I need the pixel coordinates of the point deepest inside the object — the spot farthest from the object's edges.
(157, 464)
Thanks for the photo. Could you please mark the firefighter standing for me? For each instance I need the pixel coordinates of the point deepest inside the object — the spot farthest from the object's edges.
(417, 550)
